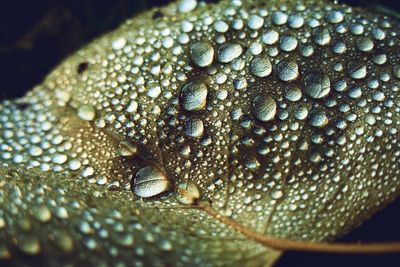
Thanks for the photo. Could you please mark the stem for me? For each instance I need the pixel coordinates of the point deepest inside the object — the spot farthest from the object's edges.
(286, 244)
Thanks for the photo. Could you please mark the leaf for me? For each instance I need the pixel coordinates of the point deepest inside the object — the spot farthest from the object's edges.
(240, 129)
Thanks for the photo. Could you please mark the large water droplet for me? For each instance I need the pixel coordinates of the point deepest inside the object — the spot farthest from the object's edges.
(194, 96)
(264, 108)
(29, 245)
(202, 53)
(86, 112)
(317, 84)
(261, 67)
(149, 182)
(229, 51)
(194, 127)
(42, 214)
(287, 70)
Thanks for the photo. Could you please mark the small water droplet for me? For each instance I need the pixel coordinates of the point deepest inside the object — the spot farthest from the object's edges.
(188, 193)
(126, 149)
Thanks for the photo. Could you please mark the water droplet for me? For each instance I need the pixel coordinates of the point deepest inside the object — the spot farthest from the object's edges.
(126, 149)
(202, 54)
(118, 43)
(4, 252)
(29, 245)
(188, 193)
(61, 212)
(396, 71)
(149, 182)
(287, 70)
(42, 214)
(288, 43)
(364, 44)
(270, 37)
(264, 108)
(317, 84)
(194, 96)
(59, 158)
(295, 21)
(300, 112)
(35, 151)
(185, 6)
(124, 240)
(261, 67)
(87, 112)
(293, 93)
(334, 16)
(277, 194)
(63, 241)
(255, 22)
(229, 51)
(356, 70)
(321, 36)
(318, 119)
(279, 18)
(194, 127)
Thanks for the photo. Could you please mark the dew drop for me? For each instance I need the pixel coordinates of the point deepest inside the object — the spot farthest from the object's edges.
(202, 54)
(149, 182)
(264, 108)
(287, 70)
(188, 193)
(126, 149)
(29, 245)
(63, 241)
(185, 6)
(356, 70)
(87, 112)
(194, 96)
(318, 119)
(229, 51)
(194, 127)
(261, 67)
(42, 214)
(317, 84)
(293, 93)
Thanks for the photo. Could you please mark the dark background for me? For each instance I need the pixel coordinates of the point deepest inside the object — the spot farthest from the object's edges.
(35, 35)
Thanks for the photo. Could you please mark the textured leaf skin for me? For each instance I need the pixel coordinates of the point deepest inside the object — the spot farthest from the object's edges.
(306, 164)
